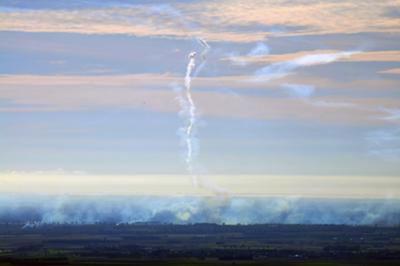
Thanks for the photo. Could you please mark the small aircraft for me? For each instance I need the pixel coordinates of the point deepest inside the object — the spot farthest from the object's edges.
(192, 55)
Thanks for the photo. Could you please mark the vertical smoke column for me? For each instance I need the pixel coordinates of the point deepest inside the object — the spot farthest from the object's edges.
(191, 105)
(192, 117)
(189, 110)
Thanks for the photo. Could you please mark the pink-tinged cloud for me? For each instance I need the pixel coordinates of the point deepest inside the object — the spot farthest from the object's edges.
(154, 92)
(217, 21)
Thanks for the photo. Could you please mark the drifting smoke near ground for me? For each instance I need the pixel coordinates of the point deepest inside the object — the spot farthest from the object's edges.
(183, 210)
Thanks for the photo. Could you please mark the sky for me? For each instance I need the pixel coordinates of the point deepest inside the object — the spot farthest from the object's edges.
(293, 98)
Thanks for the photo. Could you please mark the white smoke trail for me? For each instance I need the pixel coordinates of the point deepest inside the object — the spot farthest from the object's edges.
(188, 108)
(187, 104)
(191, 112)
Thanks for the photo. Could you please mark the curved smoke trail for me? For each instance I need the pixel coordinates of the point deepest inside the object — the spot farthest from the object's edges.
(189, 109)
(192, 117)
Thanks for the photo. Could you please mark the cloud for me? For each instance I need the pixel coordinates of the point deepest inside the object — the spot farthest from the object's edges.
(282, 69)
(317, 59)
(139, 20)
(333, 104)
(395, 71)
(384, 143)
(29, 93)
(313, 17)
(237, 22)
(355, 56)
(259, 50)
(391, 113)
(304, 92)
(299, 91)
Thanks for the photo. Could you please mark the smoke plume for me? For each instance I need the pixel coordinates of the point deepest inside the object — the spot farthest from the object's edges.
(36, 210)
(191, 112)
(188, 110)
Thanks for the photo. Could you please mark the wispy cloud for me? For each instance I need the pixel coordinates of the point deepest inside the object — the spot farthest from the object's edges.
(239, 22)
(298, 90)
(384, 143)
(282, 69)
(334, 104)
(355, 56)
(391, 114)
(160, 20)
(313, 17)
(395, 71)
(152, 92)
(305, 93)
(259, 50)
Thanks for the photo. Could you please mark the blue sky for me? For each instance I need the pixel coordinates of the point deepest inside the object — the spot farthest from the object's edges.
(287, 89)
